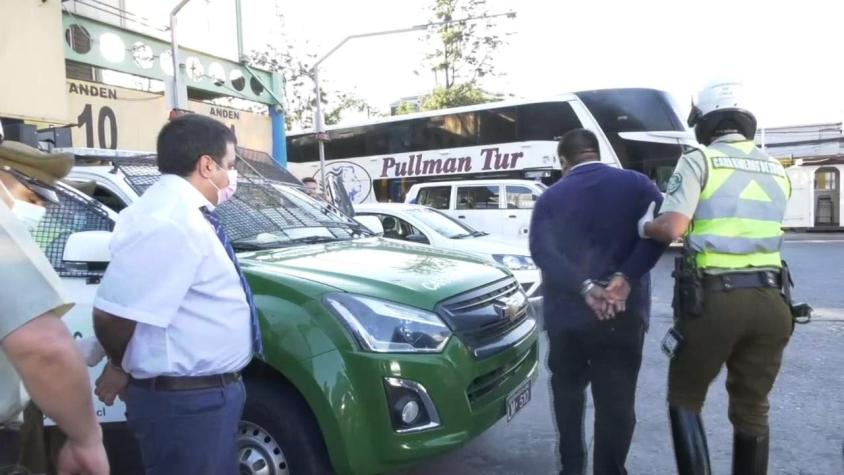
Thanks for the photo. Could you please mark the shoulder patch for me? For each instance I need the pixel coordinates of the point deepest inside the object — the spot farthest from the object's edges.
(674, 183)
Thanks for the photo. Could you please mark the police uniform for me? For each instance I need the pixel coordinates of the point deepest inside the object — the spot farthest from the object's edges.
(29, 287)
(736, 196)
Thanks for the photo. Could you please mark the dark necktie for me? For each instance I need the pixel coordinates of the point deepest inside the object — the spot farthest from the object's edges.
(214, 219)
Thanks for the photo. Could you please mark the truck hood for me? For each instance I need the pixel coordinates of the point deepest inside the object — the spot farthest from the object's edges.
(411, 274)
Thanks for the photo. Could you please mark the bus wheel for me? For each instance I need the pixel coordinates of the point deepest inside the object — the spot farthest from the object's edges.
(278, 434)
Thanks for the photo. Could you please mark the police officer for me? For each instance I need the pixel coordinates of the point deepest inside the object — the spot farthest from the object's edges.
(728, 198)
(37, 347)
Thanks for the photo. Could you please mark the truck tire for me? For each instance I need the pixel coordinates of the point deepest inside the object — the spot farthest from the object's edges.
(278, 434)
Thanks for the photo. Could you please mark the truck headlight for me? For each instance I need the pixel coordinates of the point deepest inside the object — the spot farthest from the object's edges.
(388, 327)
(515, 262)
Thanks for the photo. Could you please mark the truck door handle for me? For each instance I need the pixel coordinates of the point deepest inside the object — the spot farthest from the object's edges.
(461, 217)
(513, 216)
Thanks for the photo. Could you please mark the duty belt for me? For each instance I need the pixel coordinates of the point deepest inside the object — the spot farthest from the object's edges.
(742, 280)
(185, 383)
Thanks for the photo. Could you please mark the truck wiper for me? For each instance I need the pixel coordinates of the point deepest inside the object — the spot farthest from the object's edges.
(313, 240)
(252, 246)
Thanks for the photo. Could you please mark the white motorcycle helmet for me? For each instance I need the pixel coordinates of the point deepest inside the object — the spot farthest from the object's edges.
(721, 105)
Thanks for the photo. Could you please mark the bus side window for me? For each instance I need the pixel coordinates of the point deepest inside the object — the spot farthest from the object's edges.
(437, 197)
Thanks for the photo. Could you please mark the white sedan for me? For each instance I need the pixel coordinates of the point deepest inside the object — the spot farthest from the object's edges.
(424, 225)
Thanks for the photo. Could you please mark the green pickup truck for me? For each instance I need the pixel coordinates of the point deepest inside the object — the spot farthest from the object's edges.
(378, 354)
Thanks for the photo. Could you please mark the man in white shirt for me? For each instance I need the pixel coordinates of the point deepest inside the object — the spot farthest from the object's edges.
(174, 310)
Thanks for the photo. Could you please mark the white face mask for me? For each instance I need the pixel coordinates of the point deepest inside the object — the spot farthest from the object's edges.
(224, 194)
(29, 214)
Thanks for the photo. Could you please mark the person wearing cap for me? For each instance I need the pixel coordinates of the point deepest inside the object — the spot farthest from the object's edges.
(37, 348)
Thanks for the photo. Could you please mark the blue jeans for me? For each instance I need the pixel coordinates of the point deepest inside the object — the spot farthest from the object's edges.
(185, 432)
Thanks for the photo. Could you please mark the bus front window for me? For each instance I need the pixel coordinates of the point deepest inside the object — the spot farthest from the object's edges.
(638, 110)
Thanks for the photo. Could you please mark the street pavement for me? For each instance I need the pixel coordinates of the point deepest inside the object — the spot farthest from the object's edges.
(807, 403)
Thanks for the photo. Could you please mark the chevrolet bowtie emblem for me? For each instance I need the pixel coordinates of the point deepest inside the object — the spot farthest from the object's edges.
(511, 307)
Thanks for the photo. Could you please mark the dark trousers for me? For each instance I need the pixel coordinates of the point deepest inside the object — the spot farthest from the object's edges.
(607, 355)
(181, 432)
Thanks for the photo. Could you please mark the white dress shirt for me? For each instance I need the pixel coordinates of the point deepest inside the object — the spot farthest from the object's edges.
(170, 273)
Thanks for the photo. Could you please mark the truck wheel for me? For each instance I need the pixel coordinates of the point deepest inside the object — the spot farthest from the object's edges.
(278, 434)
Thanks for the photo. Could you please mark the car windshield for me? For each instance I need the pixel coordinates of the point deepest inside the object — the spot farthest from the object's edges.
(444, 224)
(264, 213)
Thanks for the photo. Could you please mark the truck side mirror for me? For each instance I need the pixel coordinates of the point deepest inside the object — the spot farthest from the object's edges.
(87, 251)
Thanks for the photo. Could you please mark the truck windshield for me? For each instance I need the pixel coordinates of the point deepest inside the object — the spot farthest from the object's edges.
(264, 213)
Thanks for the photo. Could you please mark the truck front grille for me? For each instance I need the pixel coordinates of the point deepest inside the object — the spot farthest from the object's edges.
(482, 317)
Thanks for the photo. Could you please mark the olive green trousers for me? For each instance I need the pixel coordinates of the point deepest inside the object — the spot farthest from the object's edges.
(746, 329)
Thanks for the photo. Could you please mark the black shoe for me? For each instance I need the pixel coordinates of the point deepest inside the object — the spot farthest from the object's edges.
(690, 448)
(750, 454)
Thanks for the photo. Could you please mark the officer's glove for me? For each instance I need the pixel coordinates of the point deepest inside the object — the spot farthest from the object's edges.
(646, 218)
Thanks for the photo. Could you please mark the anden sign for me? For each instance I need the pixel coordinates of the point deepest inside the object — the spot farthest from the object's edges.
(118, 118)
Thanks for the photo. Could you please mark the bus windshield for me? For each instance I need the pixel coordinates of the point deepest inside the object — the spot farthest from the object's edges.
(638, 110)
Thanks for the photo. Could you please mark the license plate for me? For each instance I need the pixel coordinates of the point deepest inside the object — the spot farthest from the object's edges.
(518, 399)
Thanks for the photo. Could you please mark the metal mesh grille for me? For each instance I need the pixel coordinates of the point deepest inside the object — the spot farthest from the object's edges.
(73, 214)
(263, 165)
(261, 204)
(141, 173)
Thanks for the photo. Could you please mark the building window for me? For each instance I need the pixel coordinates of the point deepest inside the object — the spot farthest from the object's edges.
(826, 179)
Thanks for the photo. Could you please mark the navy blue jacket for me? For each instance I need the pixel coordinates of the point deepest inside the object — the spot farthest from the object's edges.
(585, 227)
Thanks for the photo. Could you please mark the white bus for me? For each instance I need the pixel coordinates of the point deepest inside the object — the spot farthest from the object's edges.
(517, 139)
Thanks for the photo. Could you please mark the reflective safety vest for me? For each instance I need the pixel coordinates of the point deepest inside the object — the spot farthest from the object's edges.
(738, 221)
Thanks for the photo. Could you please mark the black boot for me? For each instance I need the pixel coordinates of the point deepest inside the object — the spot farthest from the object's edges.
(689, 442)
(750, 454)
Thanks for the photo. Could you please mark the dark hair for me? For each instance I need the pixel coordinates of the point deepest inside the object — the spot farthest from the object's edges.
(577, 142)
(308, 179)
(183, 140)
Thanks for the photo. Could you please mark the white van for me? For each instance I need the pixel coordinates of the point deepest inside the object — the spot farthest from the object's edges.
(498, 207)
